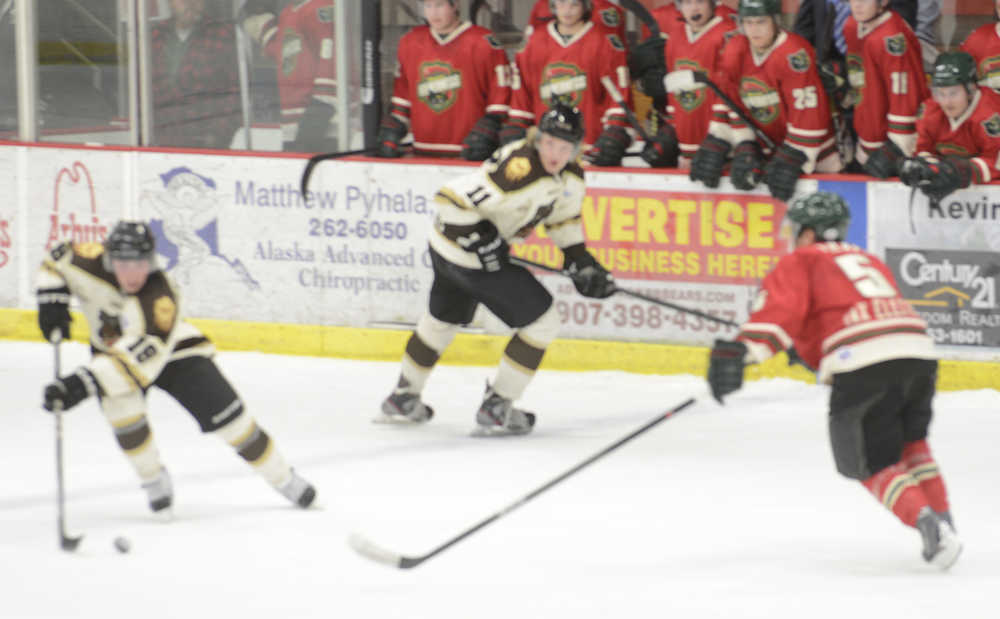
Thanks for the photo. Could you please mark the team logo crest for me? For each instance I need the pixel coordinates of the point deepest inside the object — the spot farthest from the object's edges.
(689, 100)
(799, 61)
(946, 149)
(989, 71)
(291, 47)
(88, 250)
(762, 100)
(992, 126)
(616, 42)
(438, 85)
(517, 168)
(896, 44)
(611, 18)
(563, 82)
(492, 40)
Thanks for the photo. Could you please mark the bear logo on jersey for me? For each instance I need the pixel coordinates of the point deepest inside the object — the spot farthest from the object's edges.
(992, 126)
(164, 312)
(563, 82)
(896, 44)
(799, 61)
(690, 100)
(517, 168)
(762, 100)
(438, 84)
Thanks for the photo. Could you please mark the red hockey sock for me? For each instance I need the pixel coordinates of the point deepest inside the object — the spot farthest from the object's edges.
(921, 465)
(898, 491)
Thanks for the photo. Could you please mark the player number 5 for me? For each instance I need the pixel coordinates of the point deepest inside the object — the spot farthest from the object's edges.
(867, 279)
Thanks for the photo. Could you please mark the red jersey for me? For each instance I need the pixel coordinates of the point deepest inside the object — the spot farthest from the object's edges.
(301, 43)
(606, 17)
(690, 111)
(550, 68)
(984, 45)
(782, 91)
(886, 75)
(443, 86)
(976, 136)
(841, 309)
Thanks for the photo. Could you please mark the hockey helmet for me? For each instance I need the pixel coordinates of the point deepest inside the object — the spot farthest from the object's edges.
(757, 8)
(130, 240)
(588, 8)
(562, 121)
(953, 69)
(824, 211)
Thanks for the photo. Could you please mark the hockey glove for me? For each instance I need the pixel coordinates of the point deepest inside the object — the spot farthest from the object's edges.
(725, 368)
(884, 162)
(311, 136)
(53, 312)
(610, 146)
(833, 74)
(662, 150)
(514, 129)
(707, 163)
(589, 277)
(953, 173)
(483, 139)
(647, 65)
(66, 392)
(915, 171)
(783, 171)
(747, 167)
(390, 136)
(485, 241)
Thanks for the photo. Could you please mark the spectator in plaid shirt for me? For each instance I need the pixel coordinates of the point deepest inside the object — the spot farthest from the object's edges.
(196, 93)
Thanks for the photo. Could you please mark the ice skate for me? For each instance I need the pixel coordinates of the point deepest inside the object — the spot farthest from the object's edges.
(298, 491)
(498, 417)
(403, 407)
(160, 491)
(941, 544)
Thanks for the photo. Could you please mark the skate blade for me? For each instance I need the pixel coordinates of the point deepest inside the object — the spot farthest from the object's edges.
(496, 431)
(948, 555)
(164, 515)
(397, 420)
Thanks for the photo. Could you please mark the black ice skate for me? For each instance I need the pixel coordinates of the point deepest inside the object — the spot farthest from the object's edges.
(404, 407)
(498, 417)
(160, 492)
(298, 491)
(941, 544)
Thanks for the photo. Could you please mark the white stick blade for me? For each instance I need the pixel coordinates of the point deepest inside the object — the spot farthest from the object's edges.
(367, 548)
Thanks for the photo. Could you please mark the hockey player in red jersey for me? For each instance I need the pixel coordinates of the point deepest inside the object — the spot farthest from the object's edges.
(564, 62)
(984, 45)
(300, 41)
(452, 88)
(958, 132)
(773, 73)
(840, 308)
(885, 72)
(606, 16)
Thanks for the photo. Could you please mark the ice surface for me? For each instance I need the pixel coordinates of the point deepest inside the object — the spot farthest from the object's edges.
(732, 511)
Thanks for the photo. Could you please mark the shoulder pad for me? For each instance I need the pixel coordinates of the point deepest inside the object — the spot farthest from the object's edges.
(896, 44)
(159, 306)
(799, 61)
(616, 42)
(88, 250)
(492, 40)
(610, 17)
(517, 167)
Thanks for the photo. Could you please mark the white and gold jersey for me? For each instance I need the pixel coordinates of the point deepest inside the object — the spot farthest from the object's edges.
(512, 190)
(133, 335)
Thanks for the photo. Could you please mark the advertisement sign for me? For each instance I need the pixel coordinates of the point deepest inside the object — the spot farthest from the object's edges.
(8, 233)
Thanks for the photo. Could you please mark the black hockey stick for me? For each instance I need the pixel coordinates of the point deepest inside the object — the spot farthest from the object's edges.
(642, 14)
(66, 542)
(701, 76)
(620, 100)
(630, 293)
(371, 551)
(316, 159)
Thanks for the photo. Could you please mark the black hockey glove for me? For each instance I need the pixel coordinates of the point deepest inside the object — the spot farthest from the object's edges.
(915, 171)
(53, 312)
(747, 167)
(610, 146)
(782, 172)
(725, 368)
(884, 162)
(485, 241)
(707, 163)
(513, 130)
(952, 173)
(483, 138)
(833, 74)
(66, 392)
(311, 136)
(589, 277)
(390, 135)
(647, 65)
(662, 150)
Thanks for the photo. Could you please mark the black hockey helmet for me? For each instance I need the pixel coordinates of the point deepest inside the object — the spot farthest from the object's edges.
(130, 240)
(824, 211)
(562, 121)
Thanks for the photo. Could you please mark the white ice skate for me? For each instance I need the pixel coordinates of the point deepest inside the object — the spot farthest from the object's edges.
(402, 407)
(941, 543)
(160, 492)
(498, 417)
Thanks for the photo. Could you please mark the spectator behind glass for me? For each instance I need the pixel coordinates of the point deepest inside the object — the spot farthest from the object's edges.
(196, 92)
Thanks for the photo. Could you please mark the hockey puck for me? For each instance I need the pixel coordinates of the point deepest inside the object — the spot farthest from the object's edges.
(122, 544)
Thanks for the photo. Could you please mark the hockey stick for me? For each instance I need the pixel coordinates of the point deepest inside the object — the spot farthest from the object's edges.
(316, 159)
(702, 77)
(66, 542)
(620, 100)
(638, 295)
(370, 550)
(642, 14)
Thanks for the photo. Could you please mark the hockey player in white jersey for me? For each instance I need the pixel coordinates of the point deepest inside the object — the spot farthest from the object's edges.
(139, 338)
(535, 180)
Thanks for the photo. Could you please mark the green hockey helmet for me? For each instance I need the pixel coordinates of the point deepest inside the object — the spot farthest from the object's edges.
(755, 8)
(825, 212)
(953, 69)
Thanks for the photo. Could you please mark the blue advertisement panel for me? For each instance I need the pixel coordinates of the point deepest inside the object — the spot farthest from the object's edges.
(856, 195)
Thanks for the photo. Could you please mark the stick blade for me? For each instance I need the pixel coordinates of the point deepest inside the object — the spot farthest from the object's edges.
(68, 543)
(370, 550)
